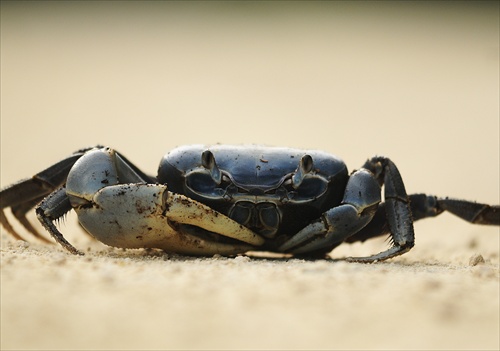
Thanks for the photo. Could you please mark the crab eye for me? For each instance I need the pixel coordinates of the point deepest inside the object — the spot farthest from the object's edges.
(311, 187)
(201, 183)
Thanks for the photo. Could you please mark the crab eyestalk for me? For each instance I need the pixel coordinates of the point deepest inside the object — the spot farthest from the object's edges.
(208, 161)
(305, 166)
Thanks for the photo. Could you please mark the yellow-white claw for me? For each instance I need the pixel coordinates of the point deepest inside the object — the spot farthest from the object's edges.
(146, 215)
(182, 209)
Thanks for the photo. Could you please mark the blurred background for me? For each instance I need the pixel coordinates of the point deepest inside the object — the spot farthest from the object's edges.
(415, 81)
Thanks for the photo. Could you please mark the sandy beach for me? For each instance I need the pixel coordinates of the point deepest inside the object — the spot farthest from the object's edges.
(415, 82)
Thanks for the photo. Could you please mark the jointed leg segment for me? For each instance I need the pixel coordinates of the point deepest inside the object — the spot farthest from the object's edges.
(397, 208)
(26, 194)
(425, 206)
(50, 209)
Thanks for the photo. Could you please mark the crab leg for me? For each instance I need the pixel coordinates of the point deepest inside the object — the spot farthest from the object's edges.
(425, 206)
(50, 209)
(358, 208)
(25, 194)
(398, 211)
(361, 197)
(19, 212)
(470, 211)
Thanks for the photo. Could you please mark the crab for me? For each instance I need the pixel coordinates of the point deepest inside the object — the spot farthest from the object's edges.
(227, 200)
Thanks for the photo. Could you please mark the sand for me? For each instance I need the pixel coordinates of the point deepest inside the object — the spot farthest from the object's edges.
(116, 299)
(416, 82)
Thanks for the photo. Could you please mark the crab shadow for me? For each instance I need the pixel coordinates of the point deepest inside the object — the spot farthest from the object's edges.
(140, 255)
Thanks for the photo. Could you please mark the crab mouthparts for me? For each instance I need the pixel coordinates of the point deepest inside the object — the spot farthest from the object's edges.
(263, 217)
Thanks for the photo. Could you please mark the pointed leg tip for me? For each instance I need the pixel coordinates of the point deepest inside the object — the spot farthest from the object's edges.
(382, 256)
(74, 250)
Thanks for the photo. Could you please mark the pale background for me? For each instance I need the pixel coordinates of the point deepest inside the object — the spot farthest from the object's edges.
(418, 82)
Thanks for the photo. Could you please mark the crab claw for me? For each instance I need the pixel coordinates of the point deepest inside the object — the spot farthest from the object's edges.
(308, 239)
(148, 215)
(361, 199)
(330, 230)
(182, 209)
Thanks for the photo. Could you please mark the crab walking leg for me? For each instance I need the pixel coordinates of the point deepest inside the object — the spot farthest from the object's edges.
(50, 209)
(342, 222)
(26, 193)
(148, 215)
(19, 212)
(398, 210)
(360, 201)
(426, 206)
(472, 212)
(5, 224)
